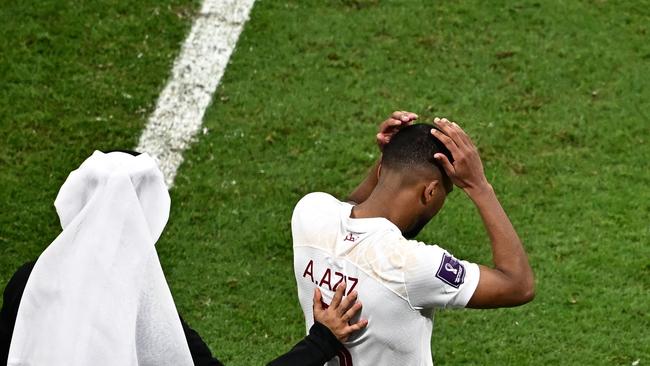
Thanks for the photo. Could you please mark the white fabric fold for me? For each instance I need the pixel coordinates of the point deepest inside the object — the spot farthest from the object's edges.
(97, 295)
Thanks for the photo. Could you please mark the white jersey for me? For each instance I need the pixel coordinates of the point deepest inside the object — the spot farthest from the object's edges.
(399, 281)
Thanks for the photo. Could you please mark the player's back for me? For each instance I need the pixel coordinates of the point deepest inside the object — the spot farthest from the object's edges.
(396, 280)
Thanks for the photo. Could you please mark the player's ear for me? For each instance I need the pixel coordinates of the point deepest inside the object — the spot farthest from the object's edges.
(430, 191)
(378, 170)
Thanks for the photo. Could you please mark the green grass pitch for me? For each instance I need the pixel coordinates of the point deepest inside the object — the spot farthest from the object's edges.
(555, 93)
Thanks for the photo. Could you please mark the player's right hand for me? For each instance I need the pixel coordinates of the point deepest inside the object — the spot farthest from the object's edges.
(392, 125)
(337, 315)
(466, 172)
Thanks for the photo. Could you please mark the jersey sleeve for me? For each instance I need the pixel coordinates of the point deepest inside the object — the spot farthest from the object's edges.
(434, 278)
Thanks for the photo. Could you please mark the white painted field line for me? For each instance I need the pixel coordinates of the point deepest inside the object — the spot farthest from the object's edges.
(196, 73)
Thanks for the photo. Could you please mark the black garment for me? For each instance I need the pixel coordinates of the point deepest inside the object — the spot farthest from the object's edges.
(317, 348)
(12, 295)
(201, 354)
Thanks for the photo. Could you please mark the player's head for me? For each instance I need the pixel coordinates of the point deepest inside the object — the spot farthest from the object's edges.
(408, 163)
(130, 152)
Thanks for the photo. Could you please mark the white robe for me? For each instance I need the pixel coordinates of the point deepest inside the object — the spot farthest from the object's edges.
(97, 295)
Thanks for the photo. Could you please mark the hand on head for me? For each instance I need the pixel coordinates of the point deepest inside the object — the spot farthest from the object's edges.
(337, 315)
(392, 125)
(466, 172)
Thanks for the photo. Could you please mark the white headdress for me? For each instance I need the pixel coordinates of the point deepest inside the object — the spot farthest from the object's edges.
(97, 295)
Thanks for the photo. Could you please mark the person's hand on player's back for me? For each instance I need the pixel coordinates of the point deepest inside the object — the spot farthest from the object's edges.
(466, 172)
(392, 125)
(337, 315)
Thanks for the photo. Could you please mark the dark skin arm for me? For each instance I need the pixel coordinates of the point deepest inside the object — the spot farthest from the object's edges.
(387, 130)
(511, 281)
(363, 190)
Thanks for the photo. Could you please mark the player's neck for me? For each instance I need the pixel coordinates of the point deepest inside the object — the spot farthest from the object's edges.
(389, 205)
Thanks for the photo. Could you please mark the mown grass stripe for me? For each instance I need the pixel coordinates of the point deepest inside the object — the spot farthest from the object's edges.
(195, 76)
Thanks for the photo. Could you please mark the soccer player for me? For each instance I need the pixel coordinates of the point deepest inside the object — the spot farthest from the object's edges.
(367, 242)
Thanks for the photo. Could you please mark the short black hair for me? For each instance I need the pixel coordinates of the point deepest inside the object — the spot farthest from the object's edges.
(414, 146)
(131, 152)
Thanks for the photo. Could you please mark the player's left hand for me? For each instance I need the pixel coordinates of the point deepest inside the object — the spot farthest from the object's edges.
(392, 125)
(337, 315)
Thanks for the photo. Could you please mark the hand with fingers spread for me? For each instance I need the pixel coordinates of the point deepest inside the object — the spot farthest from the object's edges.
(392, 125)
(466, 172)
(337, 315)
